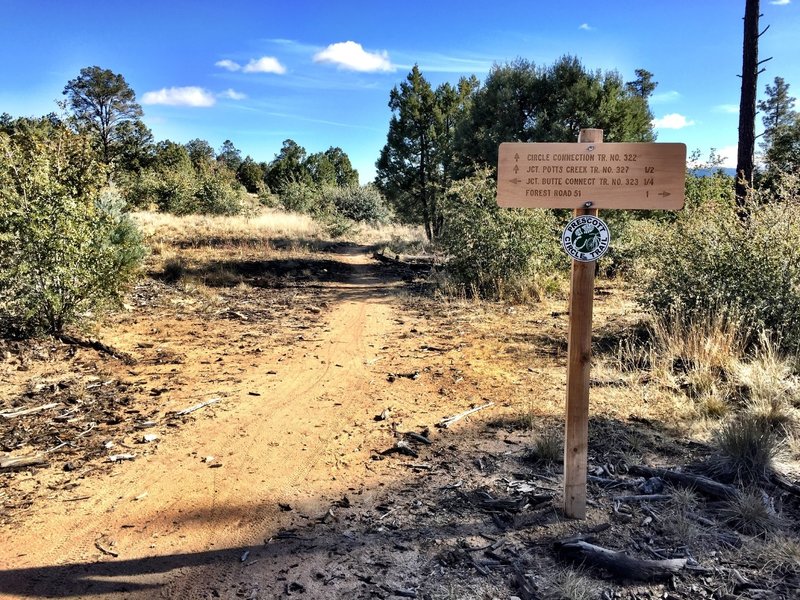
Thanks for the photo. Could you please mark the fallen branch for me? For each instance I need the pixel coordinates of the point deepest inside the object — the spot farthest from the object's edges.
(96, 345)
(401, 447)
(418, 438)
(487, 502)
(643, 498)
(387, 256)
(198, 406)
(447, 421)
(784, 483)
(113, 553)
(54, 448)
(619, 563)
(20, 462)
(702, 484)
(399, 591)
(92, 425)
(29, 411)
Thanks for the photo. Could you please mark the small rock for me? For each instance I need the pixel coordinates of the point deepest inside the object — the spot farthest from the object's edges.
(654, 485)
(121, 457)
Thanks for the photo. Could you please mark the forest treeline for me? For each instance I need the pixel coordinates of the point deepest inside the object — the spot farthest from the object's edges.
(68, 182)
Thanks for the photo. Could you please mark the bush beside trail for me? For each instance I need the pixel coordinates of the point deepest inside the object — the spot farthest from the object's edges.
(712, 258)
(66, 248)
(493, 252)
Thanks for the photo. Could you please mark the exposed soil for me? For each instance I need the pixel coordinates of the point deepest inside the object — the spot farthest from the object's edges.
(289, 480)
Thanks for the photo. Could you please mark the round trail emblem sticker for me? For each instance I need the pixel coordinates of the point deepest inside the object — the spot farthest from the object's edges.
(586, 238)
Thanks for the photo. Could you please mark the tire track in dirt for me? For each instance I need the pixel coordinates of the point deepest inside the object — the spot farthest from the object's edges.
(272, 448)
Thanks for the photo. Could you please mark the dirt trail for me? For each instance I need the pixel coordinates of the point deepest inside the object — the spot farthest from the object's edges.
(275, 439)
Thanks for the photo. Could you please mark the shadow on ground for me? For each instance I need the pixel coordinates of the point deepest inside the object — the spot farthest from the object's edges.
(432, 529)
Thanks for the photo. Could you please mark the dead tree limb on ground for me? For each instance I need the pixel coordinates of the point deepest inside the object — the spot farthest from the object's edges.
(619, 563)
(20, 462)
(96, 345)
(702, 484)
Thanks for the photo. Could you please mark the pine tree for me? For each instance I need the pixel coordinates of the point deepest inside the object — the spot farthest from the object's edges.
(778, 109)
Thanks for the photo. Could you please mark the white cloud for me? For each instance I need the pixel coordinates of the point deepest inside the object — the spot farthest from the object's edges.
(232, 94)
(180, 96)
(728, 156)
(731, 109)
(228, 64)
(351, 56)
(585, 27)
(672, 121)
(265, 64)
(781, 2)
(665, 97)
(724, 157)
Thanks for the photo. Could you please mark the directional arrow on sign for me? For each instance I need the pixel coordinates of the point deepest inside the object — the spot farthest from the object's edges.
(516, 169)
(664, 194)
(515, 181)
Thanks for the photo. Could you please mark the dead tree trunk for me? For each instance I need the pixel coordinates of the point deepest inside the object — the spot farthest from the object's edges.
(747, 102)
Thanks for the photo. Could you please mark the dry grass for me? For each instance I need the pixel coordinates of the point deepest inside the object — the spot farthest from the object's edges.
(268, 227)
(779, 555)
(680, 525)
(751, 513)
(697, 356)
(162, 229)
(548, 447)
(570, 584)
(746, 449)
(769, 375)
(405, 239)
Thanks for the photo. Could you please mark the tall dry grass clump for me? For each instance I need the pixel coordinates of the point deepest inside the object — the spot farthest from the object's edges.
(698, 356)
(752, 513)
(746, 448)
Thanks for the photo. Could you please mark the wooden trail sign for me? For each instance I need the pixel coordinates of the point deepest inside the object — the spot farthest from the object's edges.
(628, 176)
(584, 177)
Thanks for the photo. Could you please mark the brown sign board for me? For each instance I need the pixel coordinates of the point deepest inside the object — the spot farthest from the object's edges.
(634, 176)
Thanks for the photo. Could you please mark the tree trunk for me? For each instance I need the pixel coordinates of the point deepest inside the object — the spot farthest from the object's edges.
(747, 102)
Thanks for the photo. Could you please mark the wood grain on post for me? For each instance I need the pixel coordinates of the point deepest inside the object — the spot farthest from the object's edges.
(576, 440)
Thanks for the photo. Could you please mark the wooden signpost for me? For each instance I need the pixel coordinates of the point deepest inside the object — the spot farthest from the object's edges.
(585, 177)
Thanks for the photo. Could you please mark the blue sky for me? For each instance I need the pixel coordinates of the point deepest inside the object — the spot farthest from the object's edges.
(320, 72)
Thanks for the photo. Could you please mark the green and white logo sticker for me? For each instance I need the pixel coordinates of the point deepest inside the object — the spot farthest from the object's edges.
(586, 238)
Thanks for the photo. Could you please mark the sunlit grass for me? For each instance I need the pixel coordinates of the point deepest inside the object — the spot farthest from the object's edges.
(199, 230)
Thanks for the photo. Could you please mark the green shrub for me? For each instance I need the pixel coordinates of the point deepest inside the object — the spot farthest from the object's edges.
(174, 191)
(300, 197)
(218, 195)
(493, 252)
(710, 260)
(358, 203)
(183, 190)
(66, 248)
